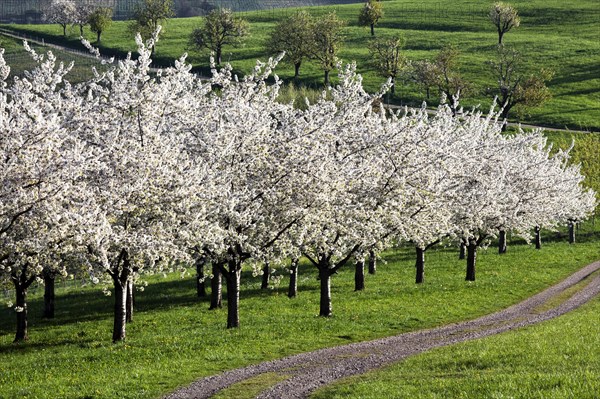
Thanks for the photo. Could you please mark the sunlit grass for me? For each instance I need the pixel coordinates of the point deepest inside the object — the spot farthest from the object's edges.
(553, 34)
(174, 339)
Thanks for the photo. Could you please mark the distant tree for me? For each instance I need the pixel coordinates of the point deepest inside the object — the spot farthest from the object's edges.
(221, 28)
(294, 35)
(424, 73)
(504, 16)
(387, 57)
(100, 20)
(370, 14)
(327, 41)
(149, 14)
(61, 12)
(82, 15)
(515, 88)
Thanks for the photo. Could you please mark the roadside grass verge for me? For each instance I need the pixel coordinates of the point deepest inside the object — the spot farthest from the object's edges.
(557, 359)
(174, 339)
(553, 34)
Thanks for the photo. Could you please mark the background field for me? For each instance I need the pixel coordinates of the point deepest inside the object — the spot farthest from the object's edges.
(553, 34)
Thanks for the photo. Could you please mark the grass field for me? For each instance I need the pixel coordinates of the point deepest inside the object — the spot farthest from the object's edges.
(554, 34)
(558, 359)
(175, 339)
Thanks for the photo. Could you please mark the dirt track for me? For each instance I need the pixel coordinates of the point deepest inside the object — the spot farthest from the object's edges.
(307, 372)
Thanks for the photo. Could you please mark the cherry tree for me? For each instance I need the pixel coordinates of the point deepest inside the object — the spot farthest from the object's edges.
(62, 12)
(38, 175)
(138, 172)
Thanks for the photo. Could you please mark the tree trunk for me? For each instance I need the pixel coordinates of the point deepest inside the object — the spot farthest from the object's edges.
(200, 286)
(359, 275)
(502, 242)
(538, 238)
(420, 266)
(326, 78)
(81, 30)
(471, 260)
(21, 293)
(266, 271)
(233, 295)
(293, 288)
(120, 316)
(500, 36)
(98, 35)
(64, 30)
(218, 56)
(215, 285)
(393, 88)
(571, 232)
(48, 295)
(463, 248)
(325, 303)
(297, 69)
(372, 262)
(372, 29)
(129, 301)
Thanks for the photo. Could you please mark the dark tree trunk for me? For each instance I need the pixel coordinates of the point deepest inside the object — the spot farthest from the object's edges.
(359, 275)
(538, 238)
(233, 295)
(393, 88)
(502, 242)
(81, 30)
(218, 56)
(428, 92)
(420, 266)
(372, 262)
(129, 301)
(266, 271)
(471, 260)
(326, 78)
(297, 69)
(120, 316)
(21, 293)
(98, 35)
(571, 232)
(325, 303)
(372, 29)
(293, 288)
(500, 36)
(64, 30)
(48, 294)
(200, 286)
(215, 285)
(462, 251)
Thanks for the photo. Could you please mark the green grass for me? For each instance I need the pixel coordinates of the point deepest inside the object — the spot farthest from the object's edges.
(558, 359)
(554, 34)
(174, 339)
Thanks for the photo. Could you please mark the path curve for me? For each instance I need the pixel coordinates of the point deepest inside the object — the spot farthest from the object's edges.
(309, 371)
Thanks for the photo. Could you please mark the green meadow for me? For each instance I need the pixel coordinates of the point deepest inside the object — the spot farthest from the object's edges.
(553, 34)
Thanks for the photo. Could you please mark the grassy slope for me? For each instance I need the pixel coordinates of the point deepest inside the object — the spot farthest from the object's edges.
(174, 339)
(553, 34)
(558, 359)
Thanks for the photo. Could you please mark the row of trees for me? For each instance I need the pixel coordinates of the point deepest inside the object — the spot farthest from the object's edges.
(130, 173)
(69, 12)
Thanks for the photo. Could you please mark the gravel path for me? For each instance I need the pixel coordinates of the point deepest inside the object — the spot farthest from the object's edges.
(307, 372)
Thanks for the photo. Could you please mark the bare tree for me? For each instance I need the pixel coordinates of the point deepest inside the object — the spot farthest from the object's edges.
(387, 57)
(516, 88)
